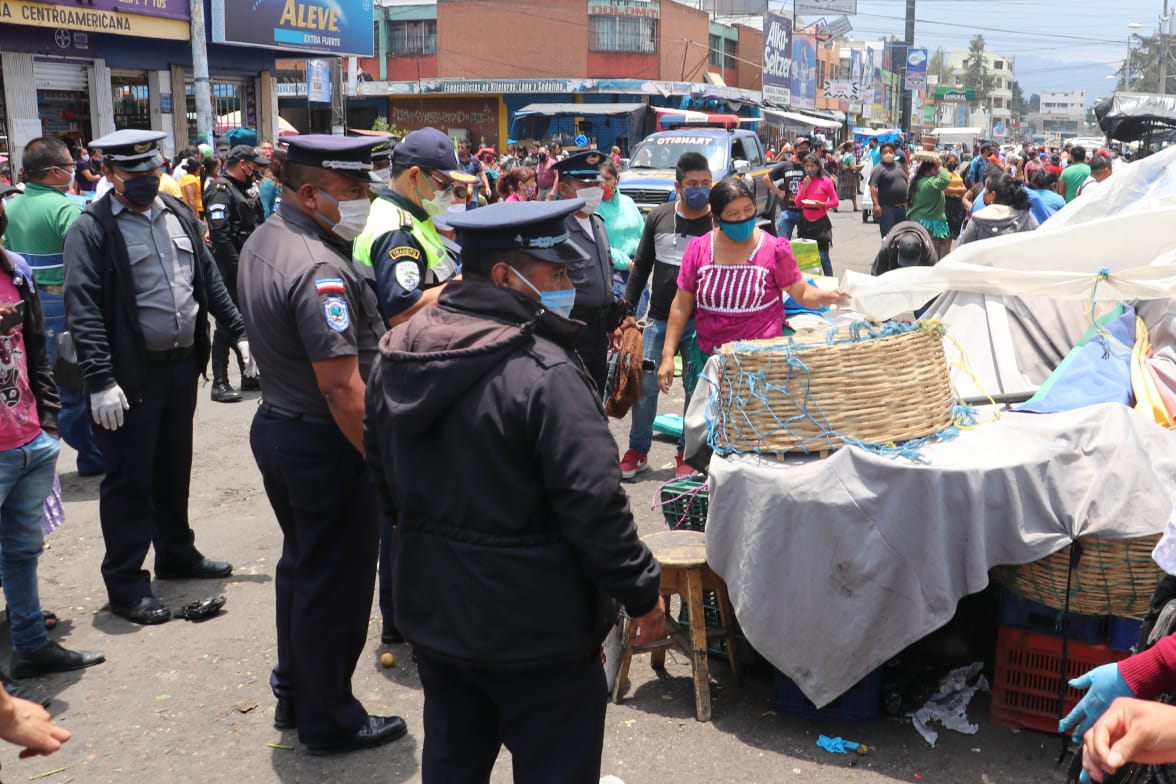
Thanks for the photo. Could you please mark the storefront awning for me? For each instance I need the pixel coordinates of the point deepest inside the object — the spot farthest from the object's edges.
(825, 114)
(579, 109)
(795, 120)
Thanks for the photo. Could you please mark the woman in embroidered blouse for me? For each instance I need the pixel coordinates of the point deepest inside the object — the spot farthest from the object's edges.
(732, 281)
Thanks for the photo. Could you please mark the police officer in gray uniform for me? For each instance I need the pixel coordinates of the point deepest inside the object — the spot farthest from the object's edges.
(139, 287)
(596, 304)
(316, 328)
(234, 211)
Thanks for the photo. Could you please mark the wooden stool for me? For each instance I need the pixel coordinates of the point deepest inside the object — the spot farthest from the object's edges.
(684, 571)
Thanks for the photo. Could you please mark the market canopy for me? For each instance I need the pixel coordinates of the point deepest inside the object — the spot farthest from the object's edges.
(784, 119)
(1131, 117)
(533, 120)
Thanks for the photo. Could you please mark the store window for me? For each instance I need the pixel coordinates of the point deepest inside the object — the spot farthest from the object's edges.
(132, 108)
(234, 104)
(419, 37)
(722, 52)
(622, 34)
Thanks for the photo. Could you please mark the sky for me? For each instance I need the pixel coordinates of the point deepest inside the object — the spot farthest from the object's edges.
(1086, 38)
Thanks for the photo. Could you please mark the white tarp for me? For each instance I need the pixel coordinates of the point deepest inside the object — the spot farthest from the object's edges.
(1127, 227)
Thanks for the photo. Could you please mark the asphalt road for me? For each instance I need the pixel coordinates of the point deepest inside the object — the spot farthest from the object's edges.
(187, 702)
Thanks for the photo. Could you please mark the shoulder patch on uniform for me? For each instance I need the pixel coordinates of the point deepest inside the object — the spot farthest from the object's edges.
(404, 252)
(216, 211)
(330, 286)
(408, 275)
(336, 313)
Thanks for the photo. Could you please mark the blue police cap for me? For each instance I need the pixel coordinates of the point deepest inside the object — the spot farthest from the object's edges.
(131, 150)
(536, 228)
(582, 166)
(350, 156)
(431, 150)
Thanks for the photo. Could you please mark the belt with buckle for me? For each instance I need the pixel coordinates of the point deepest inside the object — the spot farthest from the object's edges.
(285, 413)
(171, 355)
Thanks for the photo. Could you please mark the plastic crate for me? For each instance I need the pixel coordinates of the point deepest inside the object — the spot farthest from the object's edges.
(859, 705)
(684, 504)
(1031, 616)
(1123, 633)
(1028, 673)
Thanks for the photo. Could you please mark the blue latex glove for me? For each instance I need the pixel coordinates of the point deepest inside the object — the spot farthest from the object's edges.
(1104, 685)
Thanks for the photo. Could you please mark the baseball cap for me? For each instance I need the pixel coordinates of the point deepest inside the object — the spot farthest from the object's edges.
(430, 149)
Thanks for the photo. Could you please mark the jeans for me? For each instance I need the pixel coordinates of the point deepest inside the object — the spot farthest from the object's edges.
(73, 425)
(26, 479)
(653, 340)
(787, 223)
(890, 217)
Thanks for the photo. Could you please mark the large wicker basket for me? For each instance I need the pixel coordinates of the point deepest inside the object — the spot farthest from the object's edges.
(788, 394)
(1113, 577)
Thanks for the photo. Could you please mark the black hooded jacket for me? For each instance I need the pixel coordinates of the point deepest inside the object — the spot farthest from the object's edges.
(490, 449)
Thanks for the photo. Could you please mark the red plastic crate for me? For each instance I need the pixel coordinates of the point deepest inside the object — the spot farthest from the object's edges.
(1027, 676)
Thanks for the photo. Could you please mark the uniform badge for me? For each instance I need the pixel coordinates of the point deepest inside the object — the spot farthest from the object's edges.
(408, 275)
(404, 252)
(216, 212)
(337, 315)
(593, 159)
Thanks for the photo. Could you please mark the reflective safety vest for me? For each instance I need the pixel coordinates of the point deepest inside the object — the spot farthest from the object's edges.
(386, 217)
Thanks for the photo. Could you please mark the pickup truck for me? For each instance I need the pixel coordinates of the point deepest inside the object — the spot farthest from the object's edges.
(649, 180)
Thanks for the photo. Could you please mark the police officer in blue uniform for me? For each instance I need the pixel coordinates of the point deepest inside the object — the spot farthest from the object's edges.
(596, 303)
(316, 328)
(140, 285)
(506, 582)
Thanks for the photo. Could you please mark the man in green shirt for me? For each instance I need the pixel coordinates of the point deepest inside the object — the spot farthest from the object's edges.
(37, 223)
(1074, 175)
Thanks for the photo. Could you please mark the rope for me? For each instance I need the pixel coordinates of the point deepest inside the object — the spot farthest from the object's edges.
(699, 491)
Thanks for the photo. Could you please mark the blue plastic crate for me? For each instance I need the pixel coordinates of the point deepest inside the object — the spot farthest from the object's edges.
(1030, 616)
(859, 705)
(1123, 633)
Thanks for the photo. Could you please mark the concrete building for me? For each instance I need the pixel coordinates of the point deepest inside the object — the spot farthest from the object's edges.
(995, 114)
(1069, 104)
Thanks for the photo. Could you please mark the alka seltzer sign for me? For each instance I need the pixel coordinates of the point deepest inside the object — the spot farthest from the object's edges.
(339, 27)
(777, 69)
(165, 19)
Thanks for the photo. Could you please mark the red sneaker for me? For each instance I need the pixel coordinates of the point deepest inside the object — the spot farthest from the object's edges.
(633, 463)
(683, 469)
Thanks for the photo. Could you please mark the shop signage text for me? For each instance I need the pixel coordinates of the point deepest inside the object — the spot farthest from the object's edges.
(298, 25)
(647, 8)
(826, 7)
(777, 59)
(59, 15)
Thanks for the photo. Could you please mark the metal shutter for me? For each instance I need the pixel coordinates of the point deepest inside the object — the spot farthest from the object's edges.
(60, 75)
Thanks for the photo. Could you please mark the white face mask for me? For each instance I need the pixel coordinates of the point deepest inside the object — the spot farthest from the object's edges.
(353, 215)
(591, 197)
(384, 176)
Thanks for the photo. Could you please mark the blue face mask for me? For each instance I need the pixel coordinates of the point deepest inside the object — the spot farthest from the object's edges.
(738, 231)
(558, 302)
(696, 198)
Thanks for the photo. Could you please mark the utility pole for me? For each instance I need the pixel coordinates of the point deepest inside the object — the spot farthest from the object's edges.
(201, 88)
(1164, 23)
(909, 39)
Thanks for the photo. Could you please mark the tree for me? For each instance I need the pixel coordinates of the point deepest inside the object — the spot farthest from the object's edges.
(1020, 106)
(976, 70)
(939, 66)
(1035, 103)
(1145, 66)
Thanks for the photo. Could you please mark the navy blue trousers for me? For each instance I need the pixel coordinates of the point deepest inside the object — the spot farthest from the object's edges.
(325, 579)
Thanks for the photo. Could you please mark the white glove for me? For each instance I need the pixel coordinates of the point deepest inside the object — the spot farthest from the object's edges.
(250, 370)
(107, 407)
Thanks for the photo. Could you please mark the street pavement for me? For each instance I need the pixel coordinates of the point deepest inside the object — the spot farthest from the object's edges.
(186, 702)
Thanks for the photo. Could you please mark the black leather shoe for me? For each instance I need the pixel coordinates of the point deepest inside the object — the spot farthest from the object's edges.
(284, 716)
(204, 569)
(376, 732)
(145, 612)
(223, 393)
(51, 657)
(390, 635)
(250, 385)
(14, 689)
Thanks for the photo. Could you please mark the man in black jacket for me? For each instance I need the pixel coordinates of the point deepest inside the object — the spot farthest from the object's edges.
(507, 582)
(139, 287)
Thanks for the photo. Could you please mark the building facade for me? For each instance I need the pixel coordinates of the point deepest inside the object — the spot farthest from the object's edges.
(994, 112)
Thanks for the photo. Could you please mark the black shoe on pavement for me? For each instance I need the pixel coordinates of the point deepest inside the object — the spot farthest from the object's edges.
(284, 716)
(223, 393)
(51, 657)
(376, 732)
(204, 569)
(14, 689)
(250, 385)
(148, 611)
(390, 635)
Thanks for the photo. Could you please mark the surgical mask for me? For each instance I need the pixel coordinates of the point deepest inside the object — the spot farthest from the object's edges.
(811, 172)
(384, 176)
(353, 215)
(952, 166)
(531, 192)
(73, 175)
(738, 231)
(559, 302)
(697, 197)
(439, 204)
(542, 156)
(140, 191)
(591, 197)
(888, 157)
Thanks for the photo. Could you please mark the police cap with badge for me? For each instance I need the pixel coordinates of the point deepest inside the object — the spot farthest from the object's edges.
(583, 166)
(131, 150)
(536, 228)
(431, 150)
(350, 156)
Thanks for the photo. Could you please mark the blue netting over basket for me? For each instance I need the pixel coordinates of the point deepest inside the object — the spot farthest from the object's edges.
(886, 389)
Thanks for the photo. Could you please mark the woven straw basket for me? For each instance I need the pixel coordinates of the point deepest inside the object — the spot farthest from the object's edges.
(877, 390)
(1113, 577)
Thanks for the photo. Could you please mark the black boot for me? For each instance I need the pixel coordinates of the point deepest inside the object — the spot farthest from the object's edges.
(221, 391)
